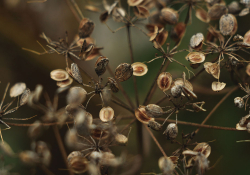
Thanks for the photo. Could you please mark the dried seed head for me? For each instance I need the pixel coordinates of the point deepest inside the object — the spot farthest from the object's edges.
(35, 130)
(228, 24)
(141, 11)
(65, 83)
(201, 14)
(100, 65)
(154, 111)
(218, 86)
(166, 165)
(78, 164)
(196, 41)
(5, 147)
(171, 132)
(76, 73)
(234, 7)
(86, 27)
(76, 95)
(154, 125)
(118, 14)
(195, 57)
(176, 91)
(17, 89)
(203, 148)
(216, 11)
(59, 75)
(142, 116)
(139, 69)
(106, 114)
(29, 157)
(246, 38)
(24, 97)
(239, 102)
(134, 2)
(121, 139)
(170, 15)
(123, 72)
(164, 81)
(113, 84)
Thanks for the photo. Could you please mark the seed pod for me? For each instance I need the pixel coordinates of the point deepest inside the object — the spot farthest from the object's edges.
(228, 24)
(248, 127)
(196, 41)
(113, 85)
(238, 38)
(213, 69)
(100, 130)
(216, 11)
(248, 69)
(86, 27)
(154, 111)
(76, 95)
(65, 83)
(71, 140)
(166, 165)
(142, 116)
(246, 38)
(74, 154)
(17, 89)
(178, 31)
(104, 16)
(106, 95)
(123, 72)
(134, 2)
(35, 130)
(106, 114)
(139, 69)
(43, 152)
(244, 12)
(234, 7)
(218, 86)
(154, 125)
(100, 65)
(118, 14)
(25, 96)
(176, 91)
(78, 164)
(5, 147)
(76, 73)
(121, 139)
(141, 11)
(171, 132)
(29, 157)
(203, 148)
(188, 92)
(83, 122)
(239, 102)
(195, 57)
(201, 14)
(170, 15)
(59, 75)
(164, 81)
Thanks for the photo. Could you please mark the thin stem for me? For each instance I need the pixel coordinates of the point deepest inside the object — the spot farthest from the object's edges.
(73, 11)
(121, 105)
(44, 124)
(77, 9)
(130, 123)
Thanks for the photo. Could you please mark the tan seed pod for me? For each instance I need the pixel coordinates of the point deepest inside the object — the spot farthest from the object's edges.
(238, 38)
(166, 165)
(100, 130)
(123, 72)
(170, 15)
(64, 83)
(74, 154)
(178, 32)
(218, 86)
(188, 92)
(43, 152)
(139, 69)
(180, 81)
(6, 149)
(59, 75)
(171, 132)
(201, 14)
(96, 156)
(164, 81)
(106, 114)
(86, 27)
(196, 41)
(24, 97)
(142, 116)
(76, 95)
(234, 7)
(248, 69)
(246, 38)
(35, 130)
(228, 24)
(118, 14)
(134, 2)
(162, 37)
(216, 11)
(76, 73)
(121, 139)
(141, 11)
(29, 157)
(113, 84)
(176, 91)
(17, 89)
(248, 127)
(154, 111)
(78, 164)
(213, 69)
(242, 128)
(154, 125)
(203, 148)
(239, 102)
(100, 65)
(244, 12)
(195, 57)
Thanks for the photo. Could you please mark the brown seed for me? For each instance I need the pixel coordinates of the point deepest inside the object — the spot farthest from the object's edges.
(218, 86)
(123, 72)
(76, 95)
(59, 75)
(141, 11)
(76, 73)
(139, 69)
(171, 132)
(134, 2)
(154, 111)
(228, 24)
(100, 65)
(65, 83)
(113, 84)
(106, 114)
(201, 14)
(164, 81)
(154, 125)
(195, 57)
(24, 97)
(104, 16)
(216, 11)
(142, 116)
(17, 89)
(196, 41)
(169, 15)
(86, 27)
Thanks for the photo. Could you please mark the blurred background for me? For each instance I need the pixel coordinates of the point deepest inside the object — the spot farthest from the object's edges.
(21, 23)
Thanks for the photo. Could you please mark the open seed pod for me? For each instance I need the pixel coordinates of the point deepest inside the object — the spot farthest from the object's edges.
(170, 15)
(166, 165)
(6, 149)
(141, 11)
(180, 81)
(213, 69)
(86, 50)
(142, 116)
(76, 95)
(123, 72)
(64, 83)
(234, 7)
(164, 81)
(228, 24)
(176, 91)
(178, 31)
(216, 11)
(239, 102)
(113, 85)
(244, 11)
(203, 148)
(59, 75)
(24, 97)
(106, 114)
(139, 69)
(121, 139)
(86, 27)
(196, 41)
(134, 2)
(76, 73)
(78, 164)
(195, 57)
(100, 65)
(154, 125)
(246, 38)
(100, 130)
(218, 86)
(201, 14)
(17, 89)
(171, 132)
(154, 111)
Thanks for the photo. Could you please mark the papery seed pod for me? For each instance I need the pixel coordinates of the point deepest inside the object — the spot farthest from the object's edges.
(100, 65)
(24, 97)
(139, 69)
(118, 14)
(171, 132)
(83, 122)
(196, 41)
(78, 164)
(242, 128)
(239, 102)
(248, 127)
(213, 69)
(113, 85)
(166, 165)
(43, 152)
(74, 154)
(106, 114)
(201, 14)
(154, 125)
(76, 95)
(228, 24)
(246, 38)
(134, 2)
(17, 89)
(154, 111)
(180, 81)
(164, 81)
(76, 73)
(72, 140)
(234, 7)
(35, 130)
(203, 148)
(106, 95)
(178, 31)
(86, 27)
(170, 15)
(218, 86)
(244, 12)
(156, 18)
(216, 11)
(142, 116)
(6, 149)
(29, 157)
(121, 139)
(198, 108)
(104, 16)
(176, 91)
(123, 72)
(59, 75)
(248, 69)
(64, 83)
(195, 57)
(100, 130)
(141, 11)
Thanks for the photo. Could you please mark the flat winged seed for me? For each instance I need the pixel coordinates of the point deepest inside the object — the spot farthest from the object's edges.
(164, 81)
(142, 116)
(216, 11)
(24, 97)
(196, 41)
(178, 31)
(171, 132)
(218, 86)
(17, 89)
(123, 72)
(59, 75)
(246, 38)
(228, 24)
(139, 69)
(64, 83)
(106, 114)
(76, 95)
(170, 15)
(113, 85)
(154, 125)
(76, 72)
(195, 57)
(154, 111)
(121, 139)
(134, 2)
(100, 65)
(203, 148)
(86, 27)
(141, 11)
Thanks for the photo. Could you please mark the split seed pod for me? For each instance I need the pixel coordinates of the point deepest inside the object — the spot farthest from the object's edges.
(218, 86)
(171, 132)
(100, 65)
(113, 85)
(203, 148)
(139, 69)
(106, 114)
(141, 11)
(201, 14)
(195, 57)
(164, 81)
(86, 27)
(213, 69)
(76, 73)
(142, 116)
(123, 72)
(59, 75)
(196, 41)
(154, 111)
(65, 83)
(228, 24)
(239, 102)
(170, 15)
(76, 95)
(17, 89)
(154, 125)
